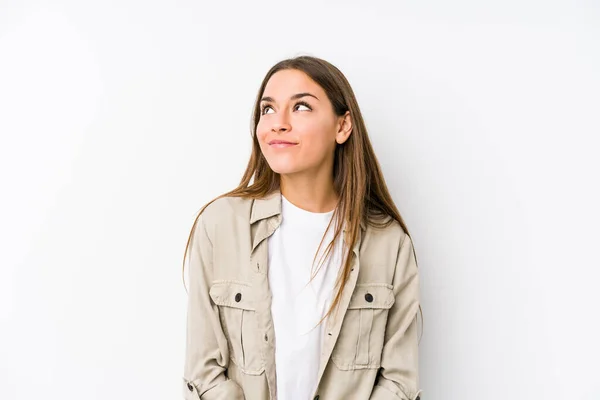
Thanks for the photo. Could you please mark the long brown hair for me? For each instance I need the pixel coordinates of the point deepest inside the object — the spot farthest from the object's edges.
(357, 177)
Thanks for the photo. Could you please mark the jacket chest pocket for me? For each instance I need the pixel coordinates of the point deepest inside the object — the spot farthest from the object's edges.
(360, 342)
(237, 314)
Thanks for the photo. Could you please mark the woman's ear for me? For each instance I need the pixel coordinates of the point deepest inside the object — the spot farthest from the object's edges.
(344, 128)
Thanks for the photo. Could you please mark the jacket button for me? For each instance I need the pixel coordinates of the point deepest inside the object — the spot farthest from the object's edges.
(369, 297)
(190, 387)
(316, 397)
(238, 297)
(418, 398)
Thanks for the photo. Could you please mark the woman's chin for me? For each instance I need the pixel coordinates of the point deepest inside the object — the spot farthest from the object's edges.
(284, 169)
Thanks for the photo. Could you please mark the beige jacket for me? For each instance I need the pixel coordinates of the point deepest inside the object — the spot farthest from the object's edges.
(370, 353)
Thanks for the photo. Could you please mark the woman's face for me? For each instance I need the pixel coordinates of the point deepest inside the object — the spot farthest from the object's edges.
(297, 130)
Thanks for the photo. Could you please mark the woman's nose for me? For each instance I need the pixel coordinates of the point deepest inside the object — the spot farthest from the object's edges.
(281, 126)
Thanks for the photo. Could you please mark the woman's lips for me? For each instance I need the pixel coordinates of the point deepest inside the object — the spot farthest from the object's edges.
(281, 144)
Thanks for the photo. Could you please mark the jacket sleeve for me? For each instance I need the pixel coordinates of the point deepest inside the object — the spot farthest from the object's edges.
(206, 353)
(398, 377)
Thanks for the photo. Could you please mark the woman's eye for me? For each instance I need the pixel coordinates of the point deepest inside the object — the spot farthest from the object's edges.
(303, 105)
(263, 111)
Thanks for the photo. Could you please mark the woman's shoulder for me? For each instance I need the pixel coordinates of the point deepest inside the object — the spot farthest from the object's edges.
(226, 208)
(386, 228)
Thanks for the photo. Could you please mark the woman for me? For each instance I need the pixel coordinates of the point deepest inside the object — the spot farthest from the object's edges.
(263, 322)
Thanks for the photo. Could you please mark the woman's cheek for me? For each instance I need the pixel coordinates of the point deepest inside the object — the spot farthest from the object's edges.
(261, 136)
(317, 141)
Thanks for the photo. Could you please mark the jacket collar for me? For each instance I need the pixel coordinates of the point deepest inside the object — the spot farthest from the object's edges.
(270, 205)
(266, 207)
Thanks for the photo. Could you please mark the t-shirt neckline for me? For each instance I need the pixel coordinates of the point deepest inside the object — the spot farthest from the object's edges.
(302, 216)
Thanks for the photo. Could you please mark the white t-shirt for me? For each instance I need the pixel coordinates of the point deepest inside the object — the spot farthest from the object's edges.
(297, 307)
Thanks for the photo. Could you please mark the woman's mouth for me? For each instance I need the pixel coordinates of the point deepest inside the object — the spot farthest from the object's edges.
(281, 144)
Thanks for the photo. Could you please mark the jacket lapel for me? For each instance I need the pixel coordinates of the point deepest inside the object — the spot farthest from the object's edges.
(265, 208)
(265, 218)
(334, 320)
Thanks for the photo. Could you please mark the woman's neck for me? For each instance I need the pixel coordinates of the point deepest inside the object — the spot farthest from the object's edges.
(309, 194)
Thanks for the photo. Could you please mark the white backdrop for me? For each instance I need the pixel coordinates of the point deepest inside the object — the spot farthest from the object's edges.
(120, 119)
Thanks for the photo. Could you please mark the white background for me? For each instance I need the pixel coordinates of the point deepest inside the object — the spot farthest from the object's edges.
(120, 119)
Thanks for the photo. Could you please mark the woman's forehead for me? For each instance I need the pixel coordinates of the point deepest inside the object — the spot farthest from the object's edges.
(286, 83)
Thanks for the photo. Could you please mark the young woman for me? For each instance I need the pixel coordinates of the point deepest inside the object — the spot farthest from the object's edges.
(265, 322)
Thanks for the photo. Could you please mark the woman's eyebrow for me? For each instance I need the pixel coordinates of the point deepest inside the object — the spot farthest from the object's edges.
(294, 97)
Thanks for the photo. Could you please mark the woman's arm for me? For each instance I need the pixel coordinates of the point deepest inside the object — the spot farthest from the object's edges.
(398, 378)
(207, 354)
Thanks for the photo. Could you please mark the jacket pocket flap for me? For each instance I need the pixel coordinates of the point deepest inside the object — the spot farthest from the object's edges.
(372, 295)
(232, 294)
